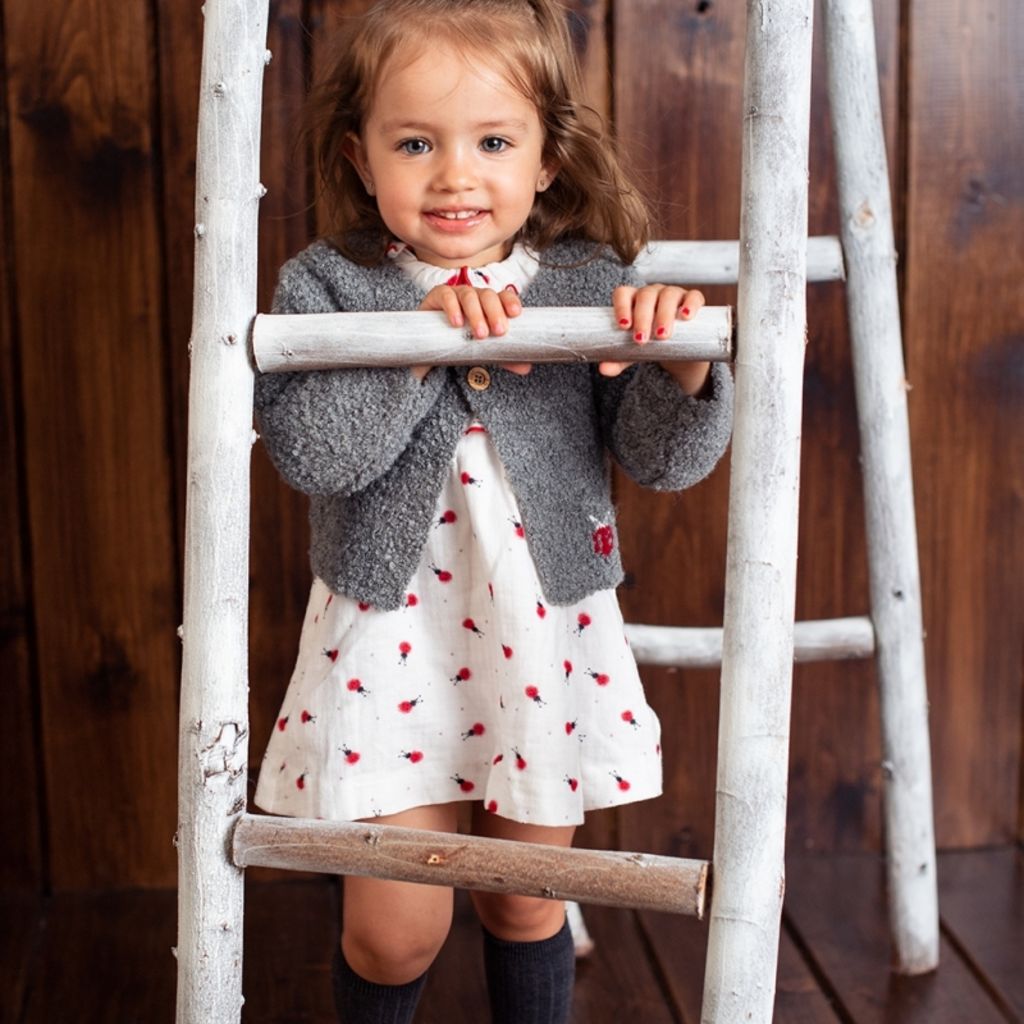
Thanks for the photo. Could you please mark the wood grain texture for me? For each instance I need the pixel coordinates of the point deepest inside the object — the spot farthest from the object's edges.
(24, 916)
(836, 907)
(965, 361)
(21, 861)
(981, 894)
(678, 946)
(86, 246)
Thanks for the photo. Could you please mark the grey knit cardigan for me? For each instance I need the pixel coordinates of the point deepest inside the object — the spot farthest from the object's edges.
(372, 446)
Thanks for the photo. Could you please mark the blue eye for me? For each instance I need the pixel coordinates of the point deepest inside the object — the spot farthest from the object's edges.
(494, 144)
(414, 147)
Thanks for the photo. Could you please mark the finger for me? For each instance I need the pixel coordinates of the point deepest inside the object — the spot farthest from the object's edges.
(510, 301)
(522, 369)
(644, 304)
(612, 369)
(669, 301)
(451, 306)
(622, 305)
(494, 311)
(469, 300)
(692, 303)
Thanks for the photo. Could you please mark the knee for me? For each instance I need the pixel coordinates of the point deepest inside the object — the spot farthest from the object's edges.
(519, 918)
(394, 949)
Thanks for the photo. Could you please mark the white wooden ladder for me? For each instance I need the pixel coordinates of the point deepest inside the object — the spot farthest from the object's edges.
(772, 262)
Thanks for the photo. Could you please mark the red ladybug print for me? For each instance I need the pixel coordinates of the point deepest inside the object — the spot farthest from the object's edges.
(604, 541)
(507, 651)
(567, 665)
(468, 481)
(300, 782)
(332, 654)
(327, 604)
(601, 678)
(411, 600)
(447, 517)
(492, 806)
(475, 428)
(534, 694)
(464, 784)
(307, 717)
(518, 527)
(364, 606)
(623, 784)
(472, 627)
(462, 675)
(490, 590)
(351, 756)
(404, 650)
(443, 575)
(570, 727)
(520, 760)
(356, 686)
(573, 783)
(406, 706)
(541, 610)
(412, 756)
(627, 716)
(282, 723)
(476, 729)
(498, 758)
(582, 621)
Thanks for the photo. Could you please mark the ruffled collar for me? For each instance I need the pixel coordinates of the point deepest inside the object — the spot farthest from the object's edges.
(517, 270)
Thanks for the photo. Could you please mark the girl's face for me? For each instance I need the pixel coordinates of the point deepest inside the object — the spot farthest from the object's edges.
(452, 153)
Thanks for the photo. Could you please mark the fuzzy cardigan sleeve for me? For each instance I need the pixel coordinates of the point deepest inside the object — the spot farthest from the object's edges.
(663, 438)
(335, 431)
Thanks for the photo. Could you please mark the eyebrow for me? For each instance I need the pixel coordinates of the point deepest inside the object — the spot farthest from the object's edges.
(422, 126)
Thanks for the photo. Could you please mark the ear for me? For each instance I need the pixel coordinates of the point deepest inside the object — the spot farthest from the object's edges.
(355, 153)
(548, 173)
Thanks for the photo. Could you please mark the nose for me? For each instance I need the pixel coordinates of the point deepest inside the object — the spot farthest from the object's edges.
(456, 171)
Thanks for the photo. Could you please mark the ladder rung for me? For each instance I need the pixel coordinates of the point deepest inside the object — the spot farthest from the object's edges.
(562, 334)
(689, 647)
(718, 262)
(640, 880)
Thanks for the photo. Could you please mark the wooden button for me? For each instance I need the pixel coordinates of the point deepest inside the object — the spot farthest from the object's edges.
(478, 378)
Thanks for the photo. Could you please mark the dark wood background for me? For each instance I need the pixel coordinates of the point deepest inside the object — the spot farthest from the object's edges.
(97, 129)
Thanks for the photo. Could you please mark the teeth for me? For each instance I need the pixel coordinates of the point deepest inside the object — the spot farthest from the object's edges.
(456, 214)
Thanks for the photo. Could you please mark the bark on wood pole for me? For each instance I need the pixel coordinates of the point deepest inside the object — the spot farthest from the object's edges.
(213, 735)
(753, 740)
(881, 390)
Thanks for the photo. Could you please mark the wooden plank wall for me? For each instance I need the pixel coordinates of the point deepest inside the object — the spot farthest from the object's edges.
(97, 127)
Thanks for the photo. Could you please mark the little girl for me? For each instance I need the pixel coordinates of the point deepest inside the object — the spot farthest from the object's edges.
(463, 642)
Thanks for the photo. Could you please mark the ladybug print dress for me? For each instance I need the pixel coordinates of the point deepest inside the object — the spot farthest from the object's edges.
(476, 688)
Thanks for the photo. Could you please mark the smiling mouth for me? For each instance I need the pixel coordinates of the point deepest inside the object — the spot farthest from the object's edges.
(455, 214)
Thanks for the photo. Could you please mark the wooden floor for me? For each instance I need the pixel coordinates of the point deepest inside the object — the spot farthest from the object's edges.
(107, 957)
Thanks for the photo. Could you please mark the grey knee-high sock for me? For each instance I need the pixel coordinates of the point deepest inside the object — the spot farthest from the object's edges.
(359, 1001)
(530, 982)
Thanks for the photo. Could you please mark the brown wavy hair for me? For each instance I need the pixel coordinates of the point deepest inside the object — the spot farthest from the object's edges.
(591, 196)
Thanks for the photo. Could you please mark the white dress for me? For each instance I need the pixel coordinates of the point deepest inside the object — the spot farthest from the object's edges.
(476, 689)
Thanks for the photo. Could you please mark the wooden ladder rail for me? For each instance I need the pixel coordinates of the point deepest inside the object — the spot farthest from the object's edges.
(214, 722)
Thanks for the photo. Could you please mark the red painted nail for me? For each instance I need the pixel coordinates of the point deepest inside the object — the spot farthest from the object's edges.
(638, 336)
(661, 332)
(623, 322)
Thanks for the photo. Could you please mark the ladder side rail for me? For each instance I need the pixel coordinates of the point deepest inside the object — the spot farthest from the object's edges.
(881, 394)
(213, 730)
(753, 740)
(718, 262)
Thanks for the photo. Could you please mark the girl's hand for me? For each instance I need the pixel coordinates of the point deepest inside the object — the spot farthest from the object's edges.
(486, 312)
(650, 314)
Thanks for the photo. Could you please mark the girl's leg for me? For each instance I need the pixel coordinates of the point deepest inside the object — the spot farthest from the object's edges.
(391, 932)
(528, 949)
